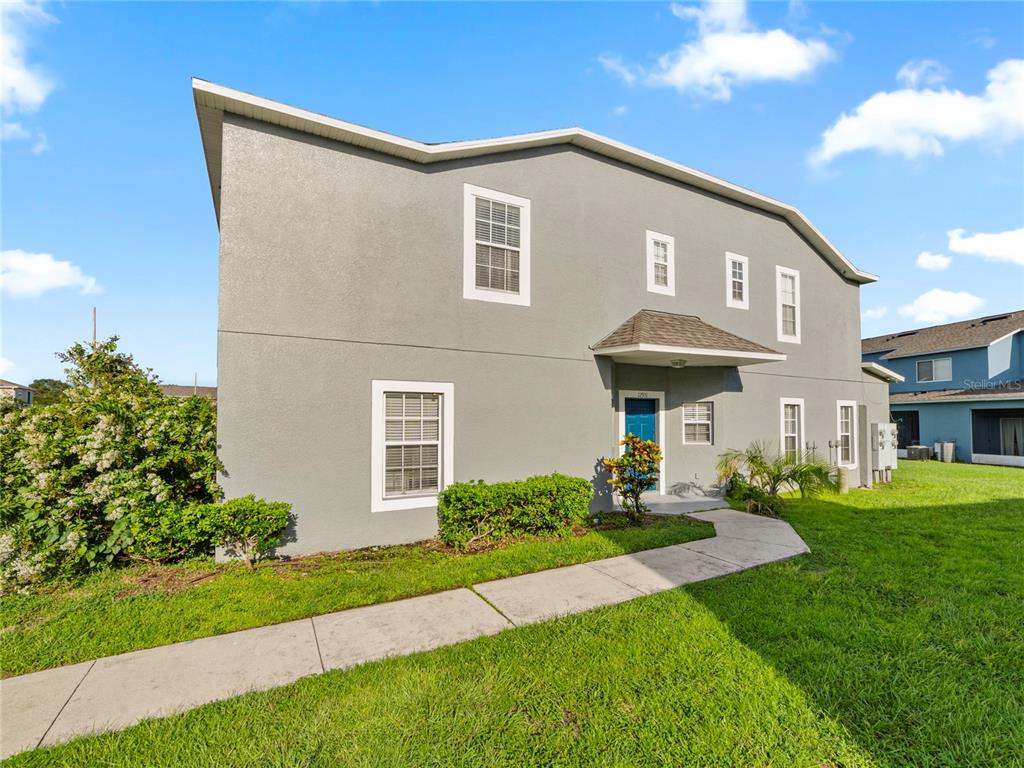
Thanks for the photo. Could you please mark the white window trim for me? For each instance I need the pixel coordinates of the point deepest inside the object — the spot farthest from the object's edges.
(783, 402)
(378, 502)
(932, 360)
(645, 394)
(854, 437)
(649, 238)
(729, 300)
(779, 272)
(710, 423)
(469, 290)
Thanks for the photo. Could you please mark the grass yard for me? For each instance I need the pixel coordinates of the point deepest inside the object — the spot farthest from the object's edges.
(899, 641)
(142, 607)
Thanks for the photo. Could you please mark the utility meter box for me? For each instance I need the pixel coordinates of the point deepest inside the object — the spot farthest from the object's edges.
(883, 450)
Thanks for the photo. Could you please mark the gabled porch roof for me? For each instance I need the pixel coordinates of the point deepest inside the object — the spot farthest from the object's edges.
(661, 338)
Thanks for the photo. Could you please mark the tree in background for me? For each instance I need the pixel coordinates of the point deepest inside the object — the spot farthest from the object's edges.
(47, 391)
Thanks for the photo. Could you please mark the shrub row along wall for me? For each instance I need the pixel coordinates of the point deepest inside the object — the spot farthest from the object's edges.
(546, 504)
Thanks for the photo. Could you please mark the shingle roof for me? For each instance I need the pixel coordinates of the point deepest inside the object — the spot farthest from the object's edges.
(1009, 390)
(649, 326)
(965, 334)
(5, 384)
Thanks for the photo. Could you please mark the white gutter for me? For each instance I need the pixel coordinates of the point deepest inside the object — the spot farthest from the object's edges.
(882, 372)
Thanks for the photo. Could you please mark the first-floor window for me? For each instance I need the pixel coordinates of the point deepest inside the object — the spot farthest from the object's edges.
(847, 442)
(411, 443)
(792, 427)
(698, 423)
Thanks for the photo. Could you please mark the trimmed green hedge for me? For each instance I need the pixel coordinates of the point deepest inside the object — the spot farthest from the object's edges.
(546, 504)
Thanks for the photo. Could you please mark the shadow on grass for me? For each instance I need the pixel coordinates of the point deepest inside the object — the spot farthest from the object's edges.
(905, 624)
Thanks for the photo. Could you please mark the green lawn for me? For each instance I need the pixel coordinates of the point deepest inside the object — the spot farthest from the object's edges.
(899, 641)
(141, 607)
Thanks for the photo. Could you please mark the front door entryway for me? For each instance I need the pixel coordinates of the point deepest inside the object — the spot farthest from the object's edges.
(642, 418)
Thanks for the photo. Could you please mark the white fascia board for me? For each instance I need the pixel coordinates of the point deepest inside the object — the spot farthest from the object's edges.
(692, 351)
(882, 372)
(215, 96)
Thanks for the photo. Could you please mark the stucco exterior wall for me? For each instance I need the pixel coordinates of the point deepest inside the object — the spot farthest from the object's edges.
(339, 267)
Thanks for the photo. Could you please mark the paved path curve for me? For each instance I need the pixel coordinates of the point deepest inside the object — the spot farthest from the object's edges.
(112, 693)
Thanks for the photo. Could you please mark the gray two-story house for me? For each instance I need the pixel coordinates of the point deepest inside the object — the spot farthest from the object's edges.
(395, 316)
(960, 382)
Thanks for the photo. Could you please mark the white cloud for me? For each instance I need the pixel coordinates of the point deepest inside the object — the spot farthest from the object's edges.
(42, 144)
(727, 52)
(23, 86)
(933, 261)
(877, 313)
(924, 72)
(914, 122)
(13, 131)
(997, 246)
(621, 110)
(5, 365)
(32, 274)
(939, 306)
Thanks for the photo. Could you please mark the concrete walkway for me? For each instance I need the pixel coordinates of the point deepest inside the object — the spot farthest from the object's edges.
(112, 693)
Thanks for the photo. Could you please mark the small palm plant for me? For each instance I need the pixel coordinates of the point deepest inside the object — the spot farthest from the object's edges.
(771, 472)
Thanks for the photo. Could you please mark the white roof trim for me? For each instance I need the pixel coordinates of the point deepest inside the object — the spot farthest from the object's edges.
(882, 372)
(768, 357)
(213, 100)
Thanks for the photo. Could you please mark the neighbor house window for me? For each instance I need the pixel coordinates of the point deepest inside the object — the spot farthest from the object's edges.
(661, 270)
(496, 245)
(846, 444)
(788, 297)
(792, 437)
(939, 369)
(411, 443)
(698, 423)
(736, 281)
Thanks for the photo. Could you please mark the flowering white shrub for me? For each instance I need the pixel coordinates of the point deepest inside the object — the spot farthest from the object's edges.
(77, 473)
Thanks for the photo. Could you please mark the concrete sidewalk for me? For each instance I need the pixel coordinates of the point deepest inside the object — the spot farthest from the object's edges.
(112, 693)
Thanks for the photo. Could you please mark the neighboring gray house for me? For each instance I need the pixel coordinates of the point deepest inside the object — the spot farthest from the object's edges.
(11, 391)
(396, 316)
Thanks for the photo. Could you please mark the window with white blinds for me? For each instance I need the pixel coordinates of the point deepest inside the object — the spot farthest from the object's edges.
(498, 237)
(661, 263)
(698, 423)
(846, 428)
(412, 442)
(412, 451)
(736, 281)
(792, 437)
(496, 246)
(788, 296)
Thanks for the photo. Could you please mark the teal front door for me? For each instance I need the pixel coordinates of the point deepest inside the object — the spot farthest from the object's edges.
(642, 418)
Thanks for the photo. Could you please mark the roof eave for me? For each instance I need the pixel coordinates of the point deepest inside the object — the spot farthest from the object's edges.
(664, 355)
(210, 97)
(886, 374)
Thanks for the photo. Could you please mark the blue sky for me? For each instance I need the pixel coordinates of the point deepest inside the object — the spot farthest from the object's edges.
(105, 199)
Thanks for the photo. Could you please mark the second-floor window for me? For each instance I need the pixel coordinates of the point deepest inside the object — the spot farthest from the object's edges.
(788, 297)
(661, 270)
(939, 369)
(736, 281)
(496, 247)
